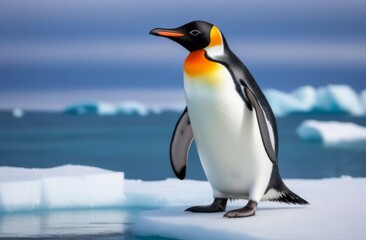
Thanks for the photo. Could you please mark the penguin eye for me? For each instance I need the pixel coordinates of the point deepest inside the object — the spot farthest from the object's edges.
(194, 32)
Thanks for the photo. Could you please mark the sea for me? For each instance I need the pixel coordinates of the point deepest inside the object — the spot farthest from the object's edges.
(138, 146)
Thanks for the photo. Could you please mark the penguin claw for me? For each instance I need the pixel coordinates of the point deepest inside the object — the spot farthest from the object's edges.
(247, 211)
(218, 205)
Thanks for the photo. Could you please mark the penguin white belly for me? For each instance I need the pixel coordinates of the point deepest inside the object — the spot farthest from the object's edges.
(227, 137)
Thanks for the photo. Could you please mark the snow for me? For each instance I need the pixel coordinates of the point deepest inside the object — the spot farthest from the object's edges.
(336, 212)
(331, 132)
(66, 186)
(327, 99)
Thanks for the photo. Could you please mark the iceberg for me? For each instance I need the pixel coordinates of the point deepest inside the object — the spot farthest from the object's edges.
(363, 98)
(331, 132)
(18, 113)
(328, 217)
(61, 187)
(108, 109)
(339, 98)
(307, 99)
(98, 108)
(132, 107)
(300, 101)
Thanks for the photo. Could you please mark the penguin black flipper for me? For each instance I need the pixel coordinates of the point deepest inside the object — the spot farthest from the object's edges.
(262, 122)
(179, 145)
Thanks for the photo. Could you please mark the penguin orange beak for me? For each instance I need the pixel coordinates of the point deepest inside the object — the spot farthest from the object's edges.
(161, 32)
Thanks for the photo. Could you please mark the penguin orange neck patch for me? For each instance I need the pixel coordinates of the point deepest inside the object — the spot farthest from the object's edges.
(197, 64)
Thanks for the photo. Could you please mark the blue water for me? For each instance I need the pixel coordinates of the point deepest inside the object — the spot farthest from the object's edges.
(138, 146)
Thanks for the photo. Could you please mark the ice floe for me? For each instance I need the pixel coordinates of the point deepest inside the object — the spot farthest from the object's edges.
(331, 132)
(336, 212)
(67, 186)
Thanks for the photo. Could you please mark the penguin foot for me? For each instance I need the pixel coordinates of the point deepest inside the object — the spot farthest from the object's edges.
(247, 211)
(218, 205)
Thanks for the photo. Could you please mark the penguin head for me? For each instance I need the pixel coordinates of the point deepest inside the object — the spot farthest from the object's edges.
(193, 36)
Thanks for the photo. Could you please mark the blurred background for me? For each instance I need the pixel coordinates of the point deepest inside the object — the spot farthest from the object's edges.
(82, 82)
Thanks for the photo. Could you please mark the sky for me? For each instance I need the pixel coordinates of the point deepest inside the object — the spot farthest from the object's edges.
(86, 49)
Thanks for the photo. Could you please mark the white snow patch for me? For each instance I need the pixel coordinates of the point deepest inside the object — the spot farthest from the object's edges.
(66, 186)
(331, 132)
(336, 212)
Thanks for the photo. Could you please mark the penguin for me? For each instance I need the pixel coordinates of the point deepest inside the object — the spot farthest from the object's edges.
(231, 122)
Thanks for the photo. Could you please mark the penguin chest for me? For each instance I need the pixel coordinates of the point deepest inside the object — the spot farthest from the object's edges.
(226, 133)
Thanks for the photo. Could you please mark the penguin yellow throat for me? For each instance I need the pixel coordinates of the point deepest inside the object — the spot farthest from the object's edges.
(197, 64)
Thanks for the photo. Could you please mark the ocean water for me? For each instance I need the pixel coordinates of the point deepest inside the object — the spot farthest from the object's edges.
(138, 146)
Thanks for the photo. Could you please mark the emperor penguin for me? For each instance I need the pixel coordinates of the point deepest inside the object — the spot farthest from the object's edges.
(231, 121)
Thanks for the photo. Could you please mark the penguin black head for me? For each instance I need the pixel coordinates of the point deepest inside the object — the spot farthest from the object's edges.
(193, 36)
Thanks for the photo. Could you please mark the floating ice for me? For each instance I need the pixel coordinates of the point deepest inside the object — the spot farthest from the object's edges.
(331, 132)
(18, 113)
(363, 98)
(328, 99)
(107, 109)
(299, 101)
(339, 98)
(60, 187)
(132, 107)
(328, 217)
(98, 108)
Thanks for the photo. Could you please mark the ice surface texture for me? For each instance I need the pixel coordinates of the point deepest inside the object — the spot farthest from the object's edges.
(336, 212)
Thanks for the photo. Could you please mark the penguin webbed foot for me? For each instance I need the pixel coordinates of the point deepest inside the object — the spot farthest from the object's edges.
(247, 211)
(218, 205)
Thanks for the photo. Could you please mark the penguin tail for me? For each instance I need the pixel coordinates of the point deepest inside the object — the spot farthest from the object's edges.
(277, 191)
